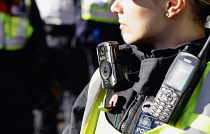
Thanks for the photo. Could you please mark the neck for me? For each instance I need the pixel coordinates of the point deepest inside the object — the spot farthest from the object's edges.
(179, 33)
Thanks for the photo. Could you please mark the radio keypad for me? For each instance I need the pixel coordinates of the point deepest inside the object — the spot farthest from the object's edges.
(164, 102)
(169, 106)
(160, 107)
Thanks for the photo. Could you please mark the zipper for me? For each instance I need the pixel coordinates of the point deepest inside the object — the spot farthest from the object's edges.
(125, 122)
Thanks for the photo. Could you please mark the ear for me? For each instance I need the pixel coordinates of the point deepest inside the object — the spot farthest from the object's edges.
(173, 7)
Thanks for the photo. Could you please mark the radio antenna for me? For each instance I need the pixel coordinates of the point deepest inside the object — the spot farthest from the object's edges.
(205, 49)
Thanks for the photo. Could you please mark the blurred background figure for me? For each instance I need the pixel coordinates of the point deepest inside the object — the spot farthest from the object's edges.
(68, 63)
(47, 54)
(24, 70)
(95, 24)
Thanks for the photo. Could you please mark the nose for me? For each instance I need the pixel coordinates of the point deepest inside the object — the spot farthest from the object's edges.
(116, 7)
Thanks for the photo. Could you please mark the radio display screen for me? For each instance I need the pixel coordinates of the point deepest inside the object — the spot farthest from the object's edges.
(179, 75)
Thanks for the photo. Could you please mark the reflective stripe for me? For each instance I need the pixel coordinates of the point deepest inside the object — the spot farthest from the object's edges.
(21, 28)
(98, 10)
(1, 31)
(202, 123)
(13, 44)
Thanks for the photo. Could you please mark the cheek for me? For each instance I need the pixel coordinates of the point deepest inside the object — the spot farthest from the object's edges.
(141, 25)
(143, 29)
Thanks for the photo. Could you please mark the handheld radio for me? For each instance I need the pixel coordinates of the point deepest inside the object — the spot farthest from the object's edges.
(178, 85)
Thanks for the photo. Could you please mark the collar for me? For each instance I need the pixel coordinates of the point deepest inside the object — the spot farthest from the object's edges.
(154, 67)
(150, 52)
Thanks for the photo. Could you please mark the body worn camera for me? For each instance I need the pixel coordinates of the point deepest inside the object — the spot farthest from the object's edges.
(114, 63)
(178, 85)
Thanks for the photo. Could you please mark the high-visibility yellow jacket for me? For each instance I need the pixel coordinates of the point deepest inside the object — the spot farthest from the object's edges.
(14, 30)
(95, 122)
(98, 10)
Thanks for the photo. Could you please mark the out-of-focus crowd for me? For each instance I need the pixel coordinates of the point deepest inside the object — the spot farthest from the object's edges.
(47, 55)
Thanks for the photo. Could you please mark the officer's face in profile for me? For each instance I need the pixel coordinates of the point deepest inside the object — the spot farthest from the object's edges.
(141, 20)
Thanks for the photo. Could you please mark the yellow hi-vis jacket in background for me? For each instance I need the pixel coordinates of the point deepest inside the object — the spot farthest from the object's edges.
(14, 31)
(98, 10)
(95, 122)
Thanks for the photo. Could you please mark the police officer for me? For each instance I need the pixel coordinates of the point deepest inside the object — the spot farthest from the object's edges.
(158, 31)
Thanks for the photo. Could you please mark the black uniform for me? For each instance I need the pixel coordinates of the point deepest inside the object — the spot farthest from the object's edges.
(151, 74)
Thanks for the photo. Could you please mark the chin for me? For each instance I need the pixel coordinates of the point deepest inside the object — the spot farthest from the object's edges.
(127, 39)
(130, 38)
(130, 41)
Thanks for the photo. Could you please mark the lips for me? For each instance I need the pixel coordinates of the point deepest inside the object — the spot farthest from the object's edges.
(122, 25)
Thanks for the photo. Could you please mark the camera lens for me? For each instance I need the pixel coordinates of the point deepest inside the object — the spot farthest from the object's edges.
(105, 70)
(102, 50)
